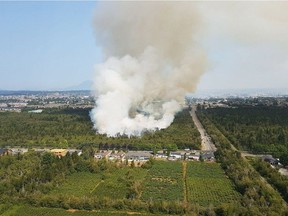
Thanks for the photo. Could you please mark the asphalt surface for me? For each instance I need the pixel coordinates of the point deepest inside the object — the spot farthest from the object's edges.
(206, 142)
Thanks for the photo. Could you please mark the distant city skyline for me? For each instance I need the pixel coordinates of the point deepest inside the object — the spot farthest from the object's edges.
(52, 45)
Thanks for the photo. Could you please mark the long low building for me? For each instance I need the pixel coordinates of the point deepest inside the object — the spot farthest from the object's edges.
(138, 156)
(16, 151)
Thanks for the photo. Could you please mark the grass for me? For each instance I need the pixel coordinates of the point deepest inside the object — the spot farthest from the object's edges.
(79, 184)
(112, 185)
(9, 210)
(34, 211)
(164, 181)
(208, 184)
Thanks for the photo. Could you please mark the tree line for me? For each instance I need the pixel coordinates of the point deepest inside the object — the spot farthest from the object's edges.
(262, 130)
(258, 198)
(279, 181)
(63, 128)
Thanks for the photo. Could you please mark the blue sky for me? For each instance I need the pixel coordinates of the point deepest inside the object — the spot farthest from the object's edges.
(46, 45)
(51, 45)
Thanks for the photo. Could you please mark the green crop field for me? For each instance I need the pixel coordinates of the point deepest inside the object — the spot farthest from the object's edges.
(107, 184)
(34, 211)
(164, 181)
(208, 184)
(114, 184)
(79, 184)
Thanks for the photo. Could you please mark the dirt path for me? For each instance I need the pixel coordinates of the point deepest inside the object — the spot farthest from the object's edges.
(96, 186)
(105, 212)
(185, 186)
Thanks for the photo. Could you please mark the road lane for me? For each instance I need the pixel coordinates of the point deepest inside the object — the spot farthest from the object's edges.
(206, 142)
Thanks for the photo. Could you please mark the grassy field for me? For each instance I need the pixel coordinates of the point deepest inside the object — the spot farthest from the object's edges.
(208, 184)
(34, 211)
(164, 181)
(79, 184)
(112, 185)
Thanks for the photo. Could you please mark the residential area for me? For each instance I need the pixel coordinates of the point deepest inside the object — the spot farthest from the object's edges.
(138, 158)
(35, 101)
(121, 156)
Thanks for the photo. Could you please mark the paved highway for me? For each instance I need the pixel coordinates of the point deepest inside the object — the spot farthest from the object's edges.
(206, 142)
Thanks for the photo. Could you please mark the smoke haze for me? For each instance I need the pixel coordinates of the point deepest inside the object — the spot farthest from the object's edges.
(154, 54)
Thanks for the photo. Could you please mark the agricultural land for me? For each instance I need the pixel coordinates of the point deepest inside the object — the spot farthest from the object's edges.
(45, 183)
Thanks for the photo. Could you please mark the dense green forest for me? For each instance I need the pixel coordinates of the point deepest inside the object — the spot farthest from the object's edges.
(258, 198)
(256, 129)
(272, 175)
(73, 128)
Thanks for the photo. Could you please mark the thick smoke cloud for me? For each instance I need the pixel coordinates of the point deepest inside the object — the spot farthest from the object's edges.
(249, 22)
(246, 43)
(152, 60)
(154, 55)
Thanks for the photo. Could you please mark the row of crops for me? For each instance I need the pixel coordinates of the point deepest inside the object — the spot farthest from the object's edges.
(79, 184)
(206, 183)
(164, 182)
(107, 184)
(28, 211)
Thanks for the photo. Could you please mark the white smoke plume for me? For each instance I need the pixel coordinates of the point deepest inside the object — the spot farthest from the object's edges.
(152, 60)
(250, 22)
(154, 54)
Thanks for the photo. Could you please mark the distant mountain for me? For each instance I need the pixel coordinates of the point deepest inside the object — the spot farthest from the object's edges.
(86, 85)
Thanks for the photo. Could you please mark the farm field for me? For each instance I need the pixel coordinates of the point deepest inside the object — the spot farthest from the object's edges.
(79, 184)
(114, 184)
(208, 184)
(164, 181)
(29, 210)
(107, 184)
